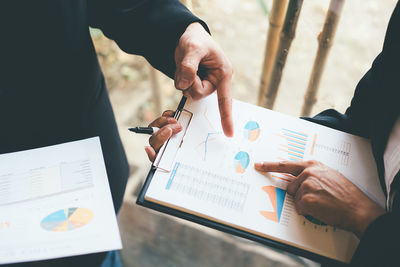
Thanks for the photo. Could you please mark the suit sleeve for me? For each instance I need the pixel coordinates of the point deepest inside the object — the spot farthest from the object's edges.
(378, 245)
(375, 99)
(150, 28)
(356, 119)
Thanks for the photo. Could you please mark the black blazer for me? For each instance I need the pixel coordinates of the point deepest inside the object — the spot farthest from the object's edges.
(372, 113)
(51, 87)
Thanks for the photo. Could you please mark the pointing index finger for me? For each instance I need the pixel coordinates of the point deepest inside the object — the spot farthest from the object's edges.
(293, 168)
(225, 106)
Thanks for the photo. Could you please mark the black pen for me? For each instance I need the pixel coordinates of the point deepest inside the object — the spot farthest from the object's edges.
(144, 130)
(153, 130)
(180, 107)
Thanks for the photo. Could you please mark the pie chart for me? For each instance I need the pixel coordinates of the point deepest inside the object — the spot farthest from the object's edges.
(252, 131)
(67, 219)
(242, 160)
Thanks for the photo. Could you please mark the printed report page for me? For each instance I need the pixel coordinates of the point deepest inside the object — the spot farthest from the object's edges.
(213, 176)
(55, 202)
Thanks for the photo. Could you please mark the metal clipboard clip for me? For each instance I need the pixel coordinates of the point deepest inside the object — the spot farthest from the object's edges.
(168, 152)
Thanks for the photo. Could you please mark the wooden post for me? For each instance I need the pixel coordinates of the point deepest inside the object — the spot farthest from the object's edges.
(287, 35)
(276, 19)
(156, 95)
(325, 41)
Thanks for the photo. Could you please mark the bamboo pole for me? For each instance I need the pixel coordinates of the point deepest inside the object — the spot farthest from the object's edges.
(276, 19)
(156, 94)
(325, 42)
(287, 35)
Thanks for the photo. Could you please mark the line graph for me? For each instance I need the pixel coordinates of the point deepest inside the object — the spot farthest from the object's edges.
(205, 143)
(211, 135)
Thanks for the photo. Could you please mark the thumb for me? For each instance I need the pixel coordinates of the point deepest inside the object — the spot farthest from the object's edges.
(186, 69)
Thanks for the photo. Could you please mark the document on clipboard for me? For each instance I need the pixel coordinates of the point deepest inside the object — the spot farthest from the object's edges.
(210, 179)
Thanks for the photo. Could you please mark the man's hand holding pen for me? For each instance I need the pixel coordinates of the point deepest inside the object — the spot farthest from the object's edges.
(168, 126)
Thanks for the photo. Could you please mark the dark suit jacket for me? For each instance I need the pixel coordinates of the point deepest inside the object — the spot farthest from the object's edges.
(51, 87)
(372, 113)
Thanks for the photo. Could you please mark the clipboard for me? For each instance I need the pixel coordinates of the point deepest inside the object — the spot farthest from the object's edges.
(185, 117)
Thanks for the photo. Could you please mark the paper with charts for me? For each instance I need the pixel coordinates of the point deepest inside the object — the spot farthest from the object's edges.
(55, 202)
(214, 177)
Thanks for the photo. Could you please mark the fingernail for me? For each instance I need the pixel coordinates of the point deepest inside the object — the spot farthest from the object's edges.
(257, 165)
(183, 83)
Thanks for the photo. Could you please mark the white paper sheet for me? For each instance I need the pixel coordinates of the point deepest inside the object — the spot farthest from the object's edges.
(55, 202)
(214, 177)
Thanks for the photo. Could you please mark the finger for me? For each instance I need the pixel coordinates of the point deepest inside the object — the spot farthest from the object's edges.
(162, 121)
(175, 127)
(301, 209)
(151, 153)
(195, 90)
(225, 105)
(200, 89)
(168, 113)
(305, 203)
(291, 167)
(304, 199)
(295, 184)
(159, 138)
(186, 68)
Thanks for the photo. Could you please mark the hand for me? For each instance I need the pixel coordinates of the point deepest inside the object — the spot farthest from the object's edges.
(197, 48)
(168, 127)
(327, 195)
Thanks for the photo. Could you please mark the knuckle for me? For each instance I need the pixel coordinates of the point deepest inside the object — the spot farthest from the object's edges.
(312, 162)
(308, 186)
(227, 69)
(188, 66)
(192, 45)
(308, 172)
(167, 112)
(158, 122)
(291, 188)
(282, 164)
(309, 200)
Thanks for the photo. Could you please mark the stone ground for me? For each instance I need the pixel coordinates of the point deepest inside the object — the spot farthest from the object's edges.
(155, 239)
